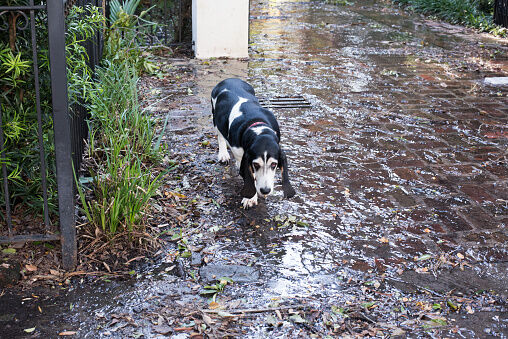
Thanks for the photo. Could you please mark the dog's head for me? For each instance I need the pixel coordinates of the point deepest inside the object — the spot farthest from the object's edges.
(260, 162)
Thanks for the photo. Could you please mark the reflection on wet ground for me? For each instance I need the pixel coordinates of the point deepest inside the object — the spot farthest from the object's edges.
(400, 167)
(403, 153)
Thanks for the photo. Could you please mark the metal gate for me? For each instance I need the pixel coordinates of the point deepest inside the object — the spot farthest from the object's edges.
(69, 130)
(69, 123)
(501, 12)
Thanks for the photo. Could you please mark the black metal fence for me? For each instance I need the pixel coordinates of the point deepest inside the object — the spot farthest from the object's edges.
(173, 20)
(69, 126)
(501, 12)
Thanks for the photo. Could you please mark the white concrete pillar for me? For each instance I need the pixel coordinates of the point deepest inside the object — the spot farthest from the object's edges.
(220, 28)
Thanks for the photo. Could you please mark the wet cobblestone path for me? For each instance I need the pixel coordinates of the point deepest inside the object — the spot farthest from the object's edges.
(400, 165)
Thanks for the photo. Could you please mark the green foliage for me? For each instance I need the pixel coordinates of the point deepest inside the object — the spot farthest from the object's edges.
(82, 25)
(13, 68)
(128, 7)
(215, 289)
(116, 112)
(121, 146)
(18, 104)
(472, 13)
(125, 36)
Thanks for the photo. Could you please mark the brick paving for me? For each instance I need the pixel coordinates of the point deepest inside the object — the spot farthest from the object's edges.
(401, 115)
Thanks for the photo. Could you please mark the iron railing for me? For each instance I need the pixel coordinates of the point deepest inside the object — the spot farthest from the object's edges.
(501, 12)
(69, 126)
(173, 20)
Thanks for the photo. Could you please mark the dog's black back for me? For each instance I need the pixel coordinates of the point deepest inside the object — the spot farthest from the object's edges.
(226, 95)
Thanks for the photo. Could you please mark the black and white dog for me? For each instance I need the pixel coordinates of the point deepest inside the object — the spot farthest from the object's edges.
(252, 133)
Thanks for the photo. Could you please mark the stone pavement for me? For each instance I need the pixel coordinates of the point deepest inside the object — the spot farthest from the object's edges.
(401, 118)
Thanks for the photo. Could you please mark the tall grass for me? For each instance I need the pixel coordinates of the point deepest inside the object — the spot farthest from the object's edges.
(120, 153)
(116, 112)
(472, 13)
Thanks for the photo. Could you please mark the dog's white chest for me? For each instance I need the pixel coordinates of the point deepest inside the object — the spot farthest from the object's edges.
(237, 153)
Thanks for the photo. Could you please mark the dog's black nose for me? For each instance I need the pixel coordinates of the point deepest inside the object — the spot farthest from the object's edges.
(265, 191)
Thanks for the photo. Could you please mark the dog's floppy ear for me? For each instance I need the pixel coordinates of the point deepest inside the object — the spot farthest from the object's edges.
(286, 185)
(249, 187)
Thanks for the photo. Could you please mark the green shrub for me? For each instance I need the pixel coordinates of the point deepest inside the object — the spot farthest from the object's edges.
(473, 13)
(115, 109)
(121, 148)
(18, 104)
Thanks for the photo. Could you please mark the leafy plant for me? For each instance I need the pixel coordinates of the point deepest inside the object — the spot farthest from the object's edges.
(128, 7)
(127, 34)
(121, 146)
(18, 104)
(472, 13)
(213, 290)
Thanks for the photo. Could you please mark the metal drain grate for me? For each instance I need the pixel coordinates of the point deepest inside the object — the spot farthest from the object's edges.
(285, 102)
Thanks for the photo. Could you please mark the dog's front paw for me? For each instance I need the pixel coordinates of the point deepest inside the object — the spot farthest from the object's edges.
(289, 191)
(223, 157)
(248, 203)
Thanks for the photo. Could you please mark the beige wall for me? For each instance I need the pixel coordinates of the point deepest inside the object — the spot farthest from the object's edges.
(220, 28)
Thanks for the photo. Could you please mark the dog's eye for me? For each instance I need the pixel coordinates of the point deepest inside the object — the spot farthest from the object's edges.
(256, 166)
(273, 165)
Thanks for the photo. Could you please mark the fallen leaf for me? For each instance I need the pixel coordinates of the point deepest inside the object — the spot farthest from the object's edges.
(460, 255)
(213, 305)
(438, 322)
(424, 257)
(422, 270)
(346, 192)
(398, 332)
(368, 305)
(183, 328)
(177, 195)
(207, 319)
(29, 330)
(297, 319)
(54, 272)
(278, 314)
(67, 333)
(9, 251)
(452, 305)
(384, 240)
(30, 267)
(164, 329)
(107, 266)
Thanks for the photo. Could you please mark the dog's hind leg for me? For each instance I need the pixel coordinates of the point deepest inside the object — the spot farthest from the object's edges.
(223, 148)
